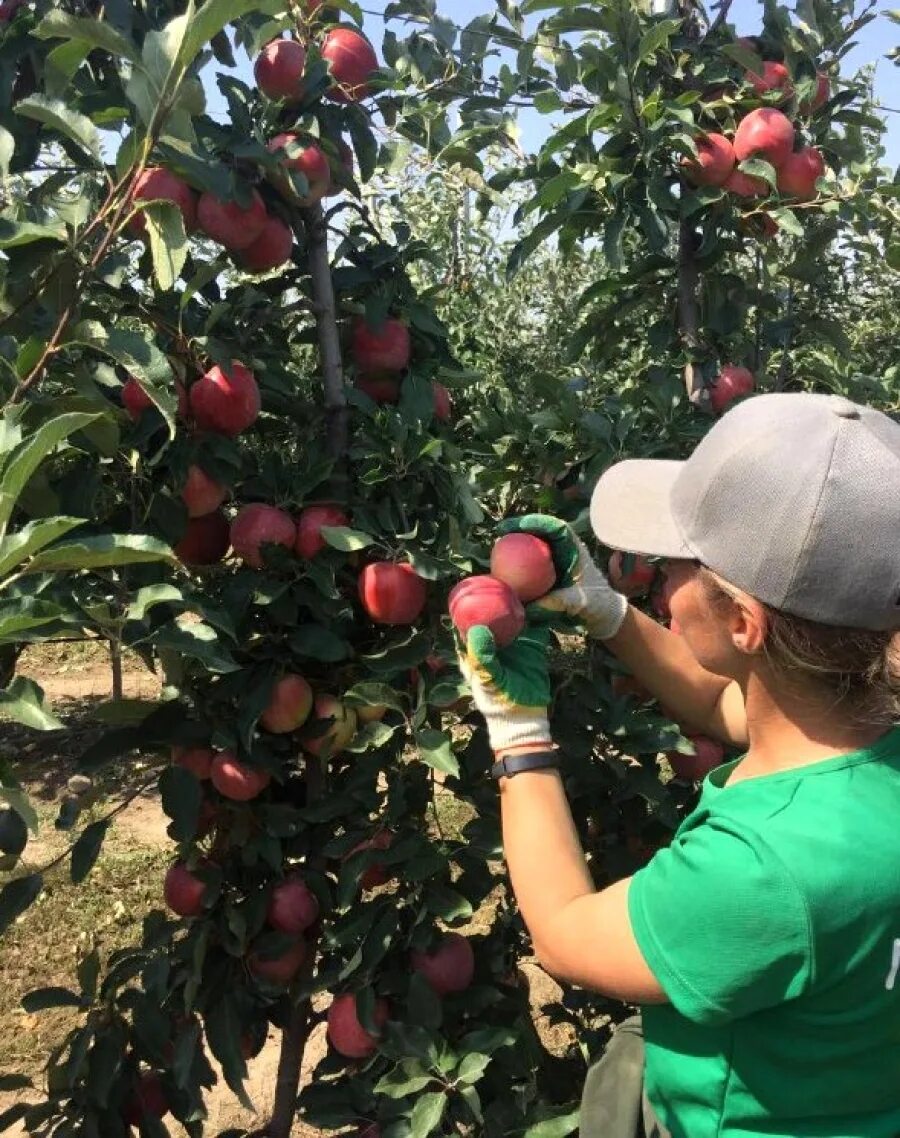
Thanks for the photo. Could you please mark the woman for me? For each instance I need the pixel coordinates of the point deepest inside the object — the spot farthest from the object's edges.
(763, 946)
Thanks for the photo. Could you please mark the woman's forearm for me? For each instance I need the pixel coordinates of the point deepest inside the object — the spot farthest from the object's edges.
(543, 853)
(701, 701)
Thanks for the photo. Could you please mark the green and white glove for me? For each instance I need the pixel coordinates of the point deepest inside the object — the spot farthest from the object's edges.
(583, 595)
(510, 686)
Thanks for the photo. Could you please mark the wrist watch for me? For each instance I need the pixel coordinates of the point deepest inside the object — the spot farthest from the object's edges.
(510, 765)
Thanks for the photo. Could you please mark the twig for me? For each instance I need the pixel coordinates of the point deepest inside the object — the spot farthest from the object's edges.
(688, 313)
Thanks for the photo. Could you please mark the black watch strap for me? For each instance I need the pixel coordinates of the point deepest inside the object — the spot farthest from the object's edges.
(511, 765)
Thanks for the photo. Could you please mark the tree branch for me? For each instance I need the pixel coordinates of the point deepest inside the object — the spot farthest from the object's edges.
(689, 313)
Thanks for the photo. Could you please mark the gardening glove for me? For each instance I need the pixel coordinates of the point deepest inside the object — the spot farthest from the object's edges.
(583, 593)
(510, 686)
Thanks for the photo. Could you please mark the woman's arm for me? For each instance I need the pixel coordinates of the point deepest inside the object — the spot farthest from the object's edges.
(700, 701)
(579, 935)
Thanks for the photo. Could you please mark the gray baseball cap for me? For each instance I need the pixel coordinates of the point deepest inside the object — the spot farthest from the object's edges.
(793, 498)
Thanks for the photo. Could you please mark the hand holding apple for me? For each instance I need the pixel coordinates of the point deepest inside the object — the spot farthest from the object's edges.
(510, 686)
(583, 594)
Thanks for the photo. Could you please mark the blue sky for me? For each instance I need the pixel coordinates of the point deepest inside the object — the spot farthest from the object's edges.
(874, 41)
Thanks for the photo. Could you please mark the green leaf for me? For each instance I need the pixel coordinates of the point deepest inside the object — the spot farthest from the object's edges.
(436, 751)
(42, 998)
(345, 539)
(212, 17)
(15, 233)
(223, 1033)
(103, 552)
(62, 25)
(150, 596)
(319, 643)
(24, 460)
(87, 849)
(21, 803)
(20, 618)
(427, 1114)
(373, 695)
(24, 702)
(17, 896)
(181, 797)
(656, 37)
(61, 117)
(168, 242)
(472, 1067)
(200, 642)
(399, 1083)
(17, 548)
(557, 1127)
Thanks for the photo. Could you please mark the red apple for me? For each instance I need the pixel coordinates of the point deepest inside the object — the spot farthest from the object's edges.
(379, 390)
(377, 873)
(346, 1034)
(385, 348)
(351, 61)
(764, 133)
(148, 1100)
(746, 185)
(234, 226)
(339, 732)
(197, 760)
(226, 402)
(236, 780)
(443, 405)
(279, 970)
(799, 173)
(279, 70)
(450, 967)
(309, 528)
(8, 9)
(391, 593)
(774, 76)
(731, 384)
(708, 754)
(258, 525)
(183, 891)
(202, 494)
(271, 249)
(159, 184)
(134, 399)
(205, 541)
(525, 563)
(293, 906)
(310, 161)
(289, 705)
(485, 600)
(714, 161)
(636, 582)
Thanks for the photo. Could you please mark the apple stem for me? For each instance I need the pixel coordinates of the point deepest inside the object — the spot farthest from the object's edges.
(329, 339)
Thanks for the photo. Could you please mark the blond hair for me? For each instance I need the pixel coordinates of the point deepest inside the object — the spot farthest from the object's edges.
(854, 669)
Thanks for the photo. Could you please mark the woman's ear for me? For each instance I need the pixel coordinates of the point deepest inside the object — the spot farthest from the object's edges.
(748, 624)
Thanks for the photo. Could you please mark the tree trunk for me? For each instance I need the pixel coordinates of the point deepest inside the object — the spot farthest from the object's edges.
(115, 663)
(296, 1033)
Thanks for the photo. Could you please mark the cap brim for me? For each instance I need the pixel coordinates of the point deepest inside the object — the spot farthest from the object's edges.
(631, 511)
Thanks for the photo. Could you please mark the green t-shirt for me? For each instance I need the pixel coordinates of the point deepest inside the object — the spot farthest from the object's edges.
(773, 925)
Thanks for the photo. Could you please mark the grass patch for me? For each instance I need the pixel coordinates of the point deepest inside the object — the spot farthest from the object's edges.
(44, 945)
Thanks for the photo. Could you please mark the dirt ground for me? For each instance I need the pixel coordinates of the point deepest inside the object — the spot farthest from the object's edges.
(43, 946)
